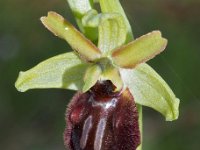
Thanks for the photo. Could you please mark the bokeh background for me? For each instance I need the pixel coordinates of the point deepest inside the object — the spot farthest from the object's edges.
(35, 120)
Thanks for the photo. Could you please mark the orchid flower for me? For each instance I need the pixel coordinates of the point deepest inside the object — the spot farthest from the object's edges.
(108, 69)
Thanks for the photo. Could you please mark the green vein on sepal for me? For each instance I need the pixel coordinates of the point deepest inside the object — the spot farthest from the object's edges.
(111, 29)
(114, 6)
(112, 32)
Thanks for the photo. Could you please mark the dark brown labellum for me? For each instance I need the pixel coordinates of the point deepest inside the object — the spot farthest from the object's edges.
(102, 119)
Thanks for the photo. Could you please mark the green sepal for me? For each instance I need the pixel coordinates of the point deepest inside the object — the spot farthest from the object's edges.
(112, 32)
(62, 71)
(149, 89)
(140, 50)
(63, 29)
(91, 76)
(114, 6)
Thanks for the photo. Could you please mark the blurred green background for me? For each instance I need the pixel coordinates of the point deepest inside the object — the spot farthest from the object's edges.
(35, 120)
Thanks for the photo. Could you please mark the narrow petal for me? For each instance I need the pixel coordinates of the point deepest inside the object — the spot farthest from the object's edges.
(141, 50)
(63, 29)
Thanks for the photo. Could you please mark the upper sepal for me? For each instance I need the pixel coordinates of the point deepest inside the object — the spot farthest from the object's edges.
(112, 32)
(114, 6)
(149, 89)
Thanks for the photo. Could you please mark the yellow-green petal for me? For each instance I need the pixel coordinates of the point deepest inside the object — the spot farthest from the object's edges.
(141, 50)
(63, 29)
(62, 71)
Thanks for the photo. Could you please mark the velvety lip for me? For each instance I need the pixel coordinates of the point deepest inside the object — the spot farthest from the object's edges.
(94, 123)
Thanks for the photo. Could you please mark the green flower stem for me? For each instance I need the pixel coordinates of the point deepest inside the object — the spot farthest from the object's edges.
(139, 107)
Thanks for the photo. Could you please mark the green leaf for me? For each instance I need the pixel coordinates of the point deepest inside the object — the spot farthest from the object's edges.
(112, 32)
(62, 28)
(92, 75)
(149, 89)
(140, 50)
(114, 6)
(61, 71)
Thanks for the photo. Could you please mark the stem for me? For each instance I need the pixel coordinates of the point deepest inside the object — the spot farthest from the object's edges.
(139, 107)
